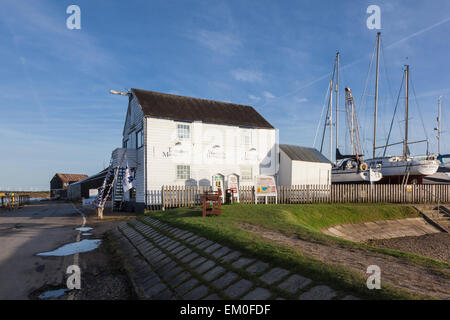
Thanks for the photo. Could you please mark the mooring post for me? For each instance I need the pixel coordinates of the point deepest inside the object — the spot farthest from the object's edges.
(100, 213)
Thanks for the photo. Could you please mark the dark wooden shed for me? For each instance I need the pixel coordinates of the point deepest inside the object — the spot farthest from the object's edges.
(60, 182)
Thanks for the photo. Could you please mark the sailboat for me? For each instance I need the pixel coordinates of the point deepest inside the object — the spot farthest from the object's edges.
(348, 168)
(444, 159)
(402, 169)
(352, 168)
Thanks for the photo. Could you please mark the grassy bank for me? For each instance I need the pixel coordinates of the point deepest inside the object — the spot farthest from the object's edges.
(305, 221)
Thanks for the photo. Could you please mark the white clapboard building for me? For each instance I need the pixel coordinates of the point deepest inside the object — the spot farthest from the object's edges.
(303, 166)
(171, 140)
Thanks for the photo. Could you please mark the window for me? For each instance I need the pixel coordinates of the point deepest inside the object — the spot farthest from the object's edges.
(246, 173)
(246, 139)
(125, 143)
(139, 139)
(183, 172)
(183, 131)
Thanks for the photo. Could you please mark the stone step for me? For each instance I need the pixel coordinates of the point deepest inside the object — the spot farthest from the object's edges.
(177, 264)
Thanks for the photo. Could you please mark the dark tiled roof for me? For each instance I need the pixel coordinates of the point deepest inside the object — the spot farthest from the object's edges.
(100, 175)
(168, 106)
(71, 177)
(303, 154)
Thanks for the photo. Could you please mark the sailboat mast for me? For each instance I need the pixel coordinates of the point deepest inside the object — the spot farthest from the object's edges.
(329, 117)
(353, 130)
(439, 126)
(337, 98)
(331, 121)
(405, 146)
(375, 114)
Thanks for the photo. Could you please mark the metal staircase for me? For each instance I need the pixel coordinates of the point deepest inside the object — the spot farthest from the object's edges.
(105, 190)
(118, 191)
(112, 185)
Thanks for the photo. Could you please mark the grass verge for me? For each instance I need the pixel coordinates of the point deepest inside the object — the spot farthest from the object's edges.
(305, 221)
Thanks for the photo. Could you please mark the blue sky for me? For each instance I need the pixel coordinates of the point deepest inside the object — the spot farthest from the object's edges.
(57, 115)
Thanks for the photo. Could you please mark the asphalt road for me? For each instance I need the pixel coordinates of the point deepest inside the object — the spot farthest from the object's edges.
(30, 230)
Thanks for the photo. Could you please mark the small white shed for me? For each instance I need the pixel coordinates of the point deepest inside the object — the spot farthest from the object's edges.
(301, 165)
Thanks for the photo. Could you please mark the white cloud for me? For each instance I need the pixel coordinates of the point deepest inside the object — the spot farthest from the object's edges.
(247, 75)
(43, 29)
(301, 100)
(253, 97)
(268, 95)
(221, 42)
(434, 93)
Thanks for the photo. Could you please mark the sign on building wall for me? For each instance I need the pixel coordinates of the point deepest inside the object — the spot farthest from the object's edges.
(233, 186)
(93, 192)
(265, 187)
(218, 183)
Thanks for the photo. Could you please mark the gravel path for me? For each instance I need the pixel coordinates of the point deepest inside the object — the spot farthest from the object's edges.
(436, 246)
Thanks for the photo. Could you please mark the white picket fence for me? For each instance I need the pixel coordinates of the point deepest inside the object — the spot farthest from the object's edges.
(184, 196)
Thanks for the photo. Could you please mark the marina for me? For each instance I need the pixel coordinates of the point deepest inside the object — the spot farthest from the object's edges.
(355, 168)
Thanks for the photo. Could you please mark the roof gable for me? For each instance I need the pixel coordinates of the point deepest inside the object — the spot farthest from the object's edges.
(133, 117)
(70, 177)
(297, 153)
(174, 107)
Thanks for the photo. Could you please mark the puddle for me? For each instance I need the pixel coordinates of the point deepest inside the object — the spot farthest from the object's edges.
(83, 229)
(72, 248)
(86, 234)
(37, 199)
(53, 293)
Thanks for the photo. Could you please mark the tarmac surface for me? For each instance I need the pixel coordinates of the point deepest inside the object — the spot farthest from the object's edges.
(24, 232)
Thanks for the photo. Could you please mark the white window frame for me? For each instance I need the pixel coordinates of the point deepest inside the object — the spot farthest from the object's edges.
(246, 138)
(183, 131)
(139, 139)
(244, 175)
(183, 172)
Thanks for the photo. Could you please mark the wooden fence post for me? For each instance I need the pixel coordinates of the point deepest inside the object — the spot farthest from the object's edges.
(163, 198)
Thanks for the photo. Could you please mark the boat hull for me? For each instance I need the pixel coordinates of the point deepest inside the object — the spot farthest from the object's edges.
(354, 176)
(395, 169)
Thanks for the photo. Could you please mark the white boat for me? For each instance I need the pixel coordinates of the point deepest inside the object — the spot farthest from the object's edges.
(405, 169)
(350, 171)
(348, 168)
(400, 169)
